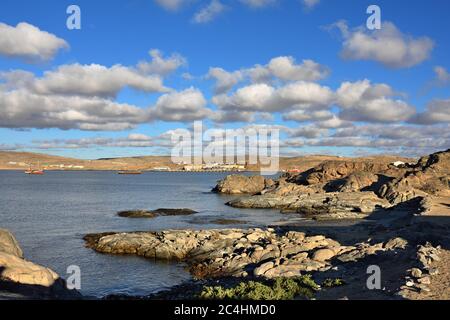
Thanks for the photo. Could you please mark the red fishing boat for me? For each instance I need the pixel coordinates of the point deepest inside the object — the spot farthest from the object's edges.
(34, 171)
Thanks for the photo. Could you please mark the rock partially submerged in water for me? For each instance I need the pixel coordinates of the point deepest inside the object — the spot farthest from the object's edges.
(137, 214)
(25, 277)
(348, 204)
(155, 213)
(239, 184)
(228, 221)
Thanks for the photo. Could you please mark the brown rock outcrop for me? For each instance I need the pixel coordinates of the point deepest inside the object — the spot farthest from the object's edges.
(239, 184)
(333, 170)
(430, 176)
(357, 181)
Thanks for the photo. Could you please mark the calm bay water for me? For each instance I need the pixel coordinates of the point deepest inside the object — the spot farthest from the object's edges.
(50, 214)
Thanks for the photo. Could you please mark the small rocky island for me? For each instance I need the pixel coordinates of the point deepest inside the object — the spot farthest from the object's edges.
(155, 213)
(400, 217)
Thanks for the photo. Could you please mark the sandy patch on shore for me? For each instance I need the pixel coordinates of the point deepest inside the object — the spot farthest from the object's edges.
(440, 207)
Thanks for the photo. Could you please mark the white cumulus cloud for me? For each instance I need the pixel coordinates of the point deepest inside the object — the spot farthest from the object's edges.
(160, 65)
(28, 42)
(24, 109)
(388, 46)
(224, 80)
(265, 98)
(362, 101)
(183, 106)
(285, 68)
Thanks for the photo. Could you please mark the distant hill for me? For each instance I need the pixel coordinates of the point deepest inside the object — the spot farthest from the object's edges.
(22, 160)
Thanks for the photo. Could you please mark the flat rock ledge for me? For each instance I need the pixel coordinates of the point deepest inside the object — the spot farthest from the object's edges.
(155, 213)
(18, 275)
(237, 252)
(338, 204)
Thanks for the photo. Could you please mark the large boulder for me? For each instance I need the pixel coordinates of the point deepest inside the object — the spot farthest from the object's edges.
(430, 176)
(15, 269)
(20, 271)
(239, 184)
(25, 277)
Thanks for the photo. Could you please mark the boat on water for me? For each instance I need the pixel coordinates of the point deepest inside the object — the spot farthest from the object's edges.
(129, 172)
(35, 171)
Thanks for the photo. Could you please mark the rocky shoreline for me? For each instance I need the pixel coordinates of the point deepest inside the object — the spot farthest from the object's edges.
(228, 258)
(394, 230)
(343, 189)
(389, 202)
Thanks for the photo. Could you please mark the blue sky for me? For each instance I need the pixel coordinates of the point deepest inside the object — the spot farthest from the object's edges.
(400, 74)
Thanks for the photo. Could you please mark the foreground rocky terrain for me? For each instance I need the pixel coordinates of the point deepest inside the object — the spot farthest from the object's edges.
(405, 248)
(236, 252)
(20, 278)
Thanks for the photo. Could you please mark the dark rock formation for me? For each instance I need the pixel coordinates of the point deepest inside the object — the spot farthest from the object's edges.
(155, 213)
(137, 214)
(358, 181)
(430, 176)
(333, 170)
(339, 188)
